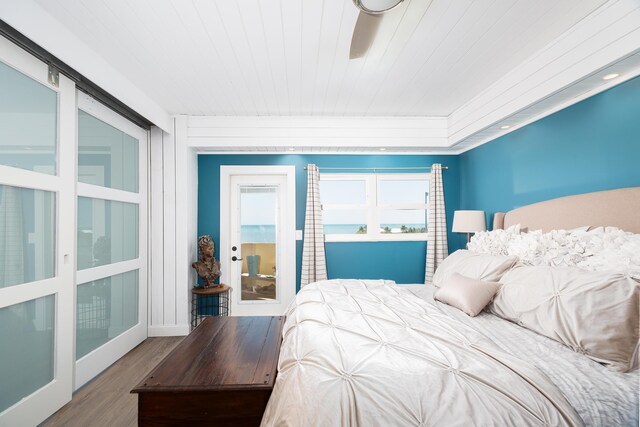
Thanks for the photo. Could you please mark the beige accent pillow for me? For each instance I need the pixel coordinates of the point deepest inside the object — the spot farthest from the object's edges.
(473, 265)
(594, 313)
(466, 294)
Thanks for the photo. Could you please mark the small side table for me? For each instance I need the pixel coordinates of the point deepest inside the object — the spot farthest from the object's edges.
(209, 302)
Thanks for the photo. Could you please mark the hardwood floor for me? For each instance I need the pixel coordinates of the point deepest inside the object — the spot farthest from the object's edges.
(106, 400)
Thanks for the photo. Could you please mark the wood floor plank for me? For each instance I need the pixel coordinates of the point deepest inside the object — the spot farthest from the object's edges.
(106, 400)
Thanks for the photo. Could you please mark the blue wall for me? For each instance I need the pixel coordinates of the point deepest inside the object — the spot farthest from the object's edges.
(591, 146)
(403, 262)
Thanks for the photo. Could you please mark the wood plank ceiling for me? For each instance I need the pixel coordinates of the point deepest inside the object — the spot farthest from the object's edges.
(290, 57)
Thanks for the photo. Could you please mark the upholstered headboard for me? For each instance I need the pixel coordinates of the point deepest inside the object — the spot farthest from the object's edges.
(618, 208)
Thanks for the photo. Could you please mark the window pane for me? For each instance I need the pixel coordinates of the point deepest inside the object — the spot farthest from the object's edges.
(106, 156)
(258, 214)
(346, 192)
(402, 221)
(402, 191)
(26, 235)
(28, 122)
(105, 309)
(344, 222)
(26, 349)
(107, 232)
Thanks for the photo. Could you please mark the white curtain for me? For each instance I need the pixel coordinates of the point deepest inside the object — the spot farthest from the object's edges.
(11, 234)
(314, 267)
(437, 248)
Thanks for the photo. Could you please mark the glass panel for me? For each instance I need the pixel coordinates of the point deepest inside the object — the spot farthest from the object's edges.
(107, 232)
(28, 122)
(402, 191)
(105, 309)
(26, 235)
(258, 214)
(403, 221)
(106, 156)
(26, 349)
(344, 221)
(345, 192)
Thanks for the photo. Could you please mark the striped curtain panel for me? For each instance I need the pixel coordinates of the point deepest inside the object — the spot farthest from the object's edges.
(314, 266)
(437, 248)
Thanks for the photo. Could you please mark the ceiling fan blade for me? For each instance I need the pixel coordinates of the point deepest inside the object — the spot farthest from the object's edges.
(364, 34)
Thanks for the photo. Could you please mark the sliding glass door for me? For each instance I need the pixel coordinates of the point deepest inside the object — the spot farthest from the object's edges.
(111, 300)
(37, 175)
(73, 238)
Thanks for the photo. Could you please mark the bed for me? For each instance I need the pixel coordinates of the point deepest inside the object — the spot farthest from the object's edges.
(369, 352)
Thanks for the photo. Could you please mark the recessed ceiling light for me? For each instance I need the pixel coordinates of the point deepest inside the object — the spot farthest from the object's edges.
(383, 149)
(505, 127)
(610, 76)
(292, 149)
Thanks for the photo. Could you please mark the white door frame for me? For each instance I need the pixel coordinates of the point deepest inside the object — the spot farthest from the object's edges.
(287, 267)
(40, 404)
(100, 358)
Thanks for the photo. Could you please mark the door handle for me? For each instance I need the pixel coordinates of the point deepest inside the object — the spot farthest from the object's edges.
(235, 258)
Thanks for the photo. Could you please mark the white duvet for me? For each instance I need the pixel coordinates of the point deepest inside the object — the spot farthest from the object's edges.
(368, 353)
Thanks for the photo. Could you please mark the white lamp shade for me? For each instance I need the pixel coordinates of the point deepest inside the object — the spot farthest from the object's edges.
(468, 222)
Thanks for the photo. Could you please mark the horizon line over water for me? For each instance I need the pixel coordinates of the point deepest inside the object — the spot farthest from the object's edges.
(266, 233)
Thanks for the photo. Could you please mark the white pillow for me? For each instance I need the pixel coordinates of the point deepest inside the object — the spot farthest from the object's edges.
(495, 242)
(594, 313)
(477, 266)
(468, 295)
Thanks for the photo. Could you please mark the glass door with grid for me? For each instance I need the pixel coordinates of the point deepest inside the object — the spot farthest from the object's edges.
(111, 233)
(37, 201)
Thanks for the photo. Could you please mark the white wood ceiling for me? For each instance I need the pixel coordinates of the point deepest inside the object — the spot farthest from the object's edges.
(290, 57)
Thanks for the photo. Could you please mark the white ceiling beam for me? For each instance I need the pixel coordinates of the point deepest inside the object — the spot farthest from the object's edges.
(206, 132)
(38, 25)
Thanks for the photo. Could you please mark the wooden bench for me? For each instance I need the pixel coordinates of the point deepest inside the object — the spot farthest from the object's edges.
(222, 374)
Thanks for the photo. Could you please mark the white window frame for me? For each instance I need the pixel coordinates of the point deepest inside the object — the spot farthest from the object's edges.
(373, 209)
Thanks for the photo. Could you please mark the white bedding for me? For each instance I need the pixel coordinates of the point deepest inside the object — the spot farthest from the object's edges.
(600, 249)
(601, 396)
(372, 354)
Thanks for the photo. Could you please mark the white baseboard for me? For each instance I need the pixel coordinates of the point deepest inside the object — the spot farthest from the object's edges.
(168, 331)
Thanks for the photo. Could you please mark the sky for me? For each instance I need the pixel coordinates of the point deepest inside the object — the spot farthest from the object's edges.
(258, 204)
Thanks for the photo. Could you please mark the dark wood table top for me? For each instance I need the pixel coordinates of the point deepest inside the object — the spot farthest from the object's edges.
(222, 353)
(210, 291)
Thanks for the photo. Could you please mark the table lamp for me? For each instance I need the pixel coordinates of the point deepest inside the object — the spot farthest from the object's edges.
(468, 222)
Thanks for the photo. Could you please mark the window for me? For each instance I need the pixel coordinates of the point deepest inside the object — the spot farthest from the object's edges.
(370, 207)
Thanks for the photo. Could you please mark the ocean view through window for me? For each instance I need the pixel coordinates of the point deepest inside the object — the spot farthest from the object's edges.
(371, 207)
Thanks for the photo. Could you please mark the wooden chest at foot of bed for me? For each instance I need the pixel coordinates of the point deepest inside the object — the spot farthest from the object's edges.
(222, 374)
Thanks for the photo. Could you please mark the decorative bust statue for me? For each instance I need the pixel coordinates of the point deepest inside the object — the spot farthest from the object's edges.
(207, 267)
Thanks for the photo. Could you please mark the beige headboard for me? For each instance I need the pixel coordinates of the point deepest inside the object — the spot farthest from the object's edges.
(618, 208)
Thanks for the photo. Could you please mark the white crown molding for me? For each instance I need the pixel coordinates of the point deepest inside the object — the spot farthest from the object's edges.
(494, 134)
(34, 22)
(598, 42)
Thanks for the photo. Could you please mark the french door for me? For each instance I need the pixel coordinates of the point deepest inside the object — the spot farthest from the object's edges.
(111, 233)
(258, 239)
